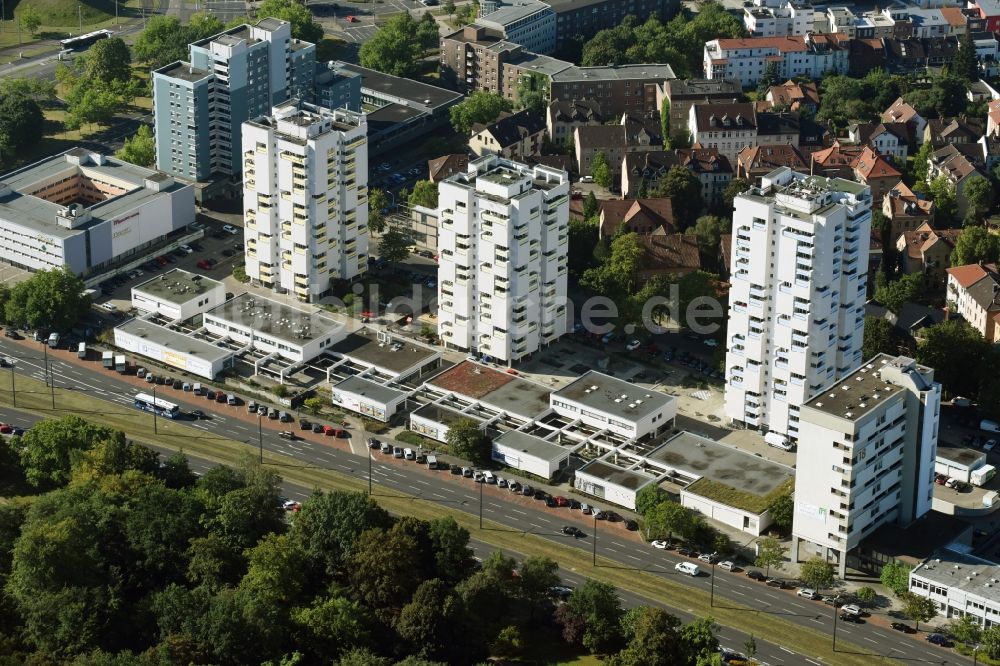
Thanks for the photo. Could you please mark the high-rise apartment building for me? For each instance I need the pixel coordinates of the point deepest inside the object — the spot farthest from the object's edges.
(796, 305)
(305, 198)
(199, 106)
(502, 239)
(866, 455)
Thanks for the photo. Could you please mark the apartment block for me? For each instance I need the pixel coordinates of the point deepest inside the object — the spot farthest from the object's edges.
(530, 24)
(200, 105)
(502, 275)
(305, 198)
(792, 18)
(799, 268)
(866, 455)
(810, 55)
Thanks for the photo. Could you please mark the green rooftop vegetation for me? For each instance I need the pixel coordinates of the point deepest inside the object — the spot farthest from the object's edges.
(740, 499)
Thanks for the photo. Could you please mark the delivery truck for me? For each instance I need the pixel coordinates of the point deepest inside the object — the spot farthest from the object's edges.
(120, 365)
(108, 360)
(982, 475)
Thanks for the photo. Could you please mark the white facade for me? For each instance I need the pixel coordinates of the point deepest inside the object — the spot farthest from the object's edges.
(959, 585)
(178, 295)
(788, 19)
(502, 265)
(741, 519)
(532, 25)
(369, 399)
(745, 60)
(867, 447)
(973, 292)
(305, 198)
(799, 273)
(530, 454)
(608, 403)
(172, 348)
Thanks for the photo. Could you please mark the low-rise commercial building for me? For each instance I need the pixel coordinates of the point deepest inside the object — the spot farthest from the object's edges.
(390, 358)
(178, 295)
(958, 462)
(528, 453)
(605, 402)
(174, 348)
(370, 399)
(959, 585)
(87, 211)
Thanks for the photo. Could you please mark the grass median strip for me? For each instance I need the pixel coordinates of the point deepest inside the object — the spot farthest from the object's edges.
(33, 396)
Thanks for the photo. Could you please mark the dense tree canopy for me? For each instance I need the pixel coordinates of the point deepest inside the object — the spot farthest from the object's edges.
(165, 39)
(907, 289)
(140, 148)
(397, 46)
(480, 107)
(974, 245)
(50, 299)
(296, 13)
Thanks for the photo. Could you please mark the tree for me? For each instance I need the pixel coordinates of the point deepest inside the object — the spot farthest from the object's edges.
(109, 60)
(684, 190)
(596, 603)
(896, 577)
(601, 170)
(296, 13)
(976, 244)
(22, 123)
(966, 629)
(666, 518)
(817, 573)
(481, 107)
(468, 442)
(965, 64)
(394, 245)
(449, 7)
(590, 206)
(979, 196)
(331, 625)
(396, 48)
(945, 206)
(709, 230)
(50, 299)
(880, 337)
(665, 122)
(750, 647)
(736, 186)
(538, 575)
(782, 510)
(532, 92)
(29, 19)
(770, 553)
(907, 289)
(654, 639)
(918, 608)
(770, 77)
(432, 620)
(165, 40)
(450, 543)
(958, 354)
(380, 568)
(329, 523)
(648, 497)
(378, 205)
(48, 449)
(866, 595)
(615, 277)
(582, 240)
(991, 642)
(425, 193)
(140, 148)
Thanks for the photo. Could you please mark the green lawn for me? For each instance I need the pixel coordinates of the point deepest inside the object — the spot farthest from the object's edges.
(34, 396)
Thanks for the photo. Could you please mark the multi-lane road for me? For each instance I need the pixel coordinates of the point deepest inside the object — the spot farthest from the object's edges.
(613, 543)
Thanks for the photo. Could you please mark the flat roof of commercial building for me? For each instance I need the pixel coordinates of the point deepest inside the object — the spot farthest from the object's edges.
(444, 415)
(494, 388)
(533, 446)
(176, 286)
(400, 355)
(507, 14)
(861, 391)
(972, 575)
(960, 455)
(542, 64)
(614, 396)
(397, 86)
(20, 206)
(369, 389)
(625, 478)
(175, 341)
(723, 469)
(391, 115)
(289, 324)
(615, 72)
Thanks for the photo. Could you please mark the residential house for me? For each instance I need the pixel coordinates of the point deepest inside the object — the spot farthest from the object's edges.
(959, 163)
(906, 211)
(837, 161)
(513, 135)
(725, 127)
(754, 162)
(641, 172)
(918, 55)
(901, 112)
(811, 55)
(989, 146)
(993, 118)
(876, 172)
(616, 88)
(790, 18)
(988, 10)
(942, 131)
(981, 91)
(447, 165)
(712, 170)
(927, 250)
(640, 216)
(865, 55)
(794, 96)
(973, 292)
(638, 133)
(669, 255)
(911, 319)
(562, 118)
(682, 93)
(887, 138)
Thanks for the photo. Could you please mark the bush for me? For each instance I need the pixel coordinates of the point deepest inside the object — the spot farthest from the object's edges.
(281, 391)
(374, 427)
(416, 439)
(240, 273)
(866, 595)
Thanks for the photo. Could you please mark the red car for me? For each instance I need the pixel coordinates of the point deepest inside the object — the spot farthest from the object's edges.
(6, 428)
(220, 397)
(161, 261)
(351, 19)
(329, 430)
(561, 501)
(205, 264)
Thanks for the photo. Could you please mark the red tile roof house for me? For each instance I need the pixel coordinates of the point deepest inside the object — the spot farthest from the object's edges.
(973, 292)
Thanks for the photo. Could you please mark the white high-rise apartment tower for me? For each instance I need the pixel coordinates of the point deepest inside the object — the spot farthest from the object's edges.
(305, 198)
(866, 455)
(503, 234)
(796, 304)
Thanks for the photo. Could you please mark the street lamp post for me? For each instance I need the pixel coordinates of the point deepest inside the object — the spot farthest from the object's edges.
(481, 484)
(45, 352)
(154, 409)
(975, 655)
(13, 385)
(595, 538)
(260, 437)
(369, 472)
(835, 626)
(712, 596)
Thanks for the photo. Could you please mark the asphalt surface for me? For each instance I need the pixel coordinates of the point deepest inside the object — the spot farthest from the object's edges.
(513, 513)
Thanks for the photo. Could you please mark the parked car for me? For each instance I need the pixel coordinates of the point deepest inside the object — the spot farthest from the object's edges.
(230, 229)
(318, 428)
(632, 346)
(905, 628)
(708, 558)
(304, 425)
(727, 565)
(397, 452)
(561, 501)
(806, 593)
(659, 544)
(631, 525)
(776, 582)
(849, 617)
(939, 639)
(853, 609)
(374, 443)
(572, 531)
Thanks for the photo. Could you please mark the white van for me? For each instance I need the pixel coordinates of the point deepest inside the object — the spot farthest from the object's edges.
(989, 426)
(489, 478)
(689, 568)
(778, 441)
(432, 462)
(81, 350)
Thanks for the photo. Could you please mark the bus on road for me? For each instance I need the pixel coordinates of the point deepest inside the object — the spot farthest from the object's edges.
(85, 40)
(159, 407)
